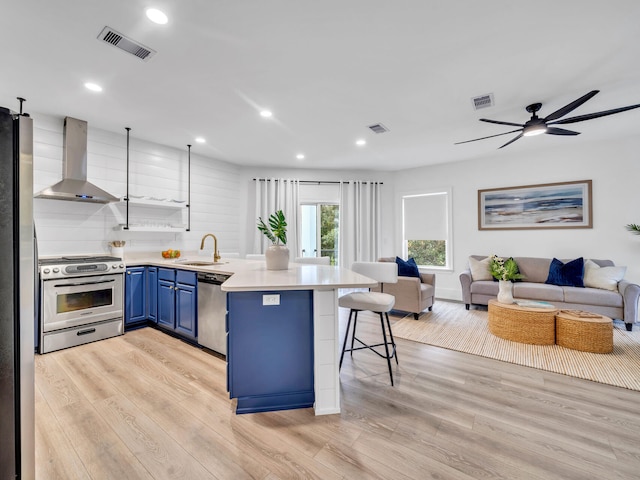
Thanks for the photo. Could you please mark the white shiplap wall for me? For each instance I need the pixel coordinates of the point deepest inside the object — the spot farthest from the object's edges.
(73, 228)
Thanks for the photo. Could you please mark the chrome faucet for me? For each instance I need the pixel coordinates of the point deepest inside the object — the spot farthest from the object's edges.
(216, 254)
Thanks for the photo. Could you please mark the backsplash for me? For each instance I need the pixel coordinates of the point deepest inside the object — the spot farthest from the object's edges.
(156, 171)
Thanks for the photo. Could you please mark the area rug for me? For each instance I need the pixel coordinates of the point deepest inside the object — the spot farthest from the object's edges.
(451, 326)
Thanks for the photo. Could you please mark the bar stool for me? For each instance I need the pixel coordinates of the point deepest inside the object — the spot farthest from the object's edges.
(376, 302)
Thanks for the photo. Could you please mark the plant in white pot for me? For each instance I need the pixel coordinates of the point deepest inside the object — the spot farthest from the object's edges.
(277, 254)
(505, 271)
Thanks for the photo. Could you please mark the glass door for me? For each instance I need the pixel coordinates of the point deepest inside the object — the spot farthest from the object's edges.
(320, 231)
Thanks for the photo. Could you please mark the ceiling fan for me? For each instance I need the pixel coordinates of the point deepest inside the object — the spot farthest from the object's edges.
(537, 125)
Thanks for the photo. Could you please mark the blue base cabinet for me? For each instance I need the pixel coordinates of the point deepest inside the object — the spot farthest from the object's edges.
(270, 350)
(177, 301)
(152, 294)
(164, 296)
(135, 287)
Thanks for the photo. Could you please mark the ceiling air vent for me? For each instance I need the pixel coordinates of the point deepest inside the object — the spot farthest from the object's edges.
(483, 101)
(378, 128)
(110, 36)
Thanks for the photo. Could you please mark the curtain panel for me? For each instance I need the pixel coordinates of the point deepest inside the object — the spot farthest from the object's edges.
(360, 224)
(273, 194)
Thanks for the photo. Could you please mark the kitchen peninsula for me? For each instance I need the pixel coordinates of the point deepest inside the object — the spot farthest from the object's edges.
(283, 342)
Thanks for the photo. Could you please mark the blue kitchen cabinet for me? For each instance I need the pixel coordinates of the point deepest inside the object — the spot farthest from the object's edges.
(270, 350)
(177, 301)
(186, 310)
(166, 303)
(152, 294)
(135, 296)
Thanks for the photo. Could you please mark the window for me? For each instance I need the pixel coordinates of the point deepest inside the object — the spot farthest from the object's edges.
(426, 232)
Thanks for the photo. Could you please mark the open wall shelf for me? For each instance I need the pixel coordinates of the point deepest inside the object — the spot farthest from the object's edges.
(139, 201)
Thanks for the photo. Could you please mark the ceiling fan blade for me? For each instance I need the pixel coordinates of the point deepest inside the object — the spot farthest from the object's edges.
(589, 116)
(511, 141)
(560, 131)
(571, 106)
(501, 123)
(490, 136)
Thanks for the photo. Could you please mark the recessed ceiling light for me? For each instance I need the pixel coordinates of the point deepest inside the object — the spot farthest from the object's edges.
(93, 87)
(200, 140)
(361, 142)
(266, 113)
(156, 16)
(300, 156)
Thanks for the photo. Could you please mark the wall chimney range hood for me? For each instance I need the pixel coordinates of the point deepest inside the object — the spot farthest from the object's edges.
(74, 185)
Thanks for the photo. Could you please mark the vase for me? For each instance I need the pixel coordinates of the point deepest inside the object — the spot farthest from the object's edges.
(277, 257)
(505, 291)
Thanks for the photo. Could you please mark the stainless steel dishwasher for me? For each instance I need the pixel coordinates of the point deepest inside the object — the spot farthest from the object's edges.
(212, 312)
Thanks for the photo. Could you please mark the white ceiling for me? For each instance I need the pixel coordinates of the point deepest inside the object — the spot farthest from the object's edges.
(327, 69)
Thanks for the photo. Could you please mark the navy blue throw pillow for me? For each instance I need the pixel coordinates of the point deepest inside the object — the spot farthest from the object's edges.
(408, 268)
(570, 274)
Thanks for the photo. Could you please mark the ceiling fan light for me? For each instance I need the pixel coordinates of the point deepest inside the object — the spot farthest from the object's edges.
(534, 130)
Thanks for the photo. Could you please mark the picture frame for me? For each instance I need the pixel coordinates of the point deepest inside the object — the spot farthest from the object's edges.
(542, 206)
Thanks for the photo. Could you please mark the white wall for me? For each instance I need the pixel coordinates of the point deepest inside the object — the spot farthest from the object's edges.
(614, 168)
(223, 199)
(247, 195)
(74, 228)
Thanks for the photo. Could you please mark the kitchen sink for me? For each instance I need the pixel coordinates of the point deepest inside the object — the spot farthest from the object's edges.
(198, 263)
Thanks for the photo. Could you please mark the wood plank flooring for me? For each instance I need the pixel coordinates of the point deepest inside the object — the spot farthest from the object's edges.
(148, 406)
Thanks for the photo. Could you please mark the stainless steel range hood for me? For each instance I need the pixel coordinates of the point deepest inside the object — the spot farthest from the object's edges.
(74, 185)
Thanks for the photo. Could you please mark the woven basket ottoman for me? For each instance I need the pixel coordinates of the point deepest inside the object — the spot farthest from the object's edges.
(535, 326)
(584, 332)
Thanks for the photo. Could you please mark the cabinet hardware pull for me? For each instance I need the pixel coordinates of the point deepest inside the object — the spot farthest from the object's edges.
(86, 332)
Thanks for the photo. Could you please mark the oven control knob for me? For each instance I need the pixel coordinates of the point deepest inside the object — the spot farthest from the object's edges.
(114, 266)
(46, 270)
(122, 265)
(56, 270)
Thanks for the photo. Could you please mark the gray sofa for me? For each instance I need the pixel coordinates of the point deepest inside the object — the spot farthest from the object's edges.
(621, 304)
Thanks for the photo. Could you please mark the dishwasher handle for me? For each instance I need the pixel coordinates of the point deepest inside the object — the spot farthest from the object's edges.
(212, 278)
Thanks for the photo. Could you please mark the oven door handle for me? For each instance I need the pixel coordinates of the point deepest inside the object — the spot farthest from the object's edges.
(80, 284)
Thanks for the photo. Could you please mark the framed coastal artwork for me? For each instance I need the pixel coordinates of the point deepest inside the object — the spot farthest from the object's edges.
(550, 205)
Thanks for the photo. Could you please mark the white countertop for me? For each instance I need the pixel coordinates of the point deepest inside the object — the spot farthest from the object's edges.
(252, 275)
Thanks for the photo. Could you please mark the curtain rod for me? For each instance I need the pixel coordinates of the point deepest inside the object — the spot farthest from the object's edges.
(315, 182)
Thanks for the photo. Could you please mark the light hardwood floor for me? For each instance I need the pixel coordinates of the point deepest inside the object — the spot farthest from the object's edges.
(148, 406)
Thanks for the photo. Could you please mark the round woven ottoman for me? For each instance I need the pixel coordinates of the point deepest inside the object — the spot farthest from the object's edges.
(536, 326)
(585, 333)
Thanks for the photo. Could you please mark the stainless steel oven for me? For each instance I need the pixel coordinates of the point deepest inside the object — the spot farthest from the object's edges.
(82, 300)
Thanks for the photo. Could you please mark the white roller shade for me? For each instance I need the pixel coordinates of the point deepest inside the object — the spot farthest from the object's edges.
(425, 217)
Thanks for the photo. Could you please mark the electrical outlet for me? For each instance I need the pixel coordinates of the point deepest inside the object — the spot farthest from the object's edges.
(271, 299)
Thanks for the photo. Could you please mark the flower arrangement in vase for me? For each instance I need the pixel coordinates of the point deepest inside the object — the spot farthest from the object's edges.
(277, 255)
(505, 271)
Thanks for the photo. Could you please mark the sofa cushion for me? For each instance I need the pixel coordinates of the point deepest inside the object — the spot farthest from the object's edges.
(480, 269)
(407, 268)
(593, 296)
(570, 274)
(484, 287)
(533, 269)
(538, 291)
(606, 278)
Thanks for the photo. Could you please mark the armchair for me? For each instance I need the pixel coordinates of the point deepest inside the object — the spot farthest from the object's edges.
(412, 294)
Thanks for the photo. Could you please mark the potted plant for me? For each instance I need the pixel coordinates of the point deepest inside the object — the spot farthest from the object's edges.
(277, 254)
(505, 271)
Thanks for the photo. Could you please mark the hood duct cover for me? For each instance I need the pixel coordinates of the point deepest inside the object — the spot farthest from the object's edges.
(74, 185)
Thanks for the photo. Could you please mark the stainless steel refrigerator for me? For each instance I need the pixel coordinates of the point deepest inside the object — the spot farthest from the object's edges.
(17, 278)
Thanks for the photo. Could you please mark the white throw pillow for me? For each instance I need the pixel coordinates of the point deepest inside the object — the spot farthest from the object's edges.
(480, 269)
(606, 278)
